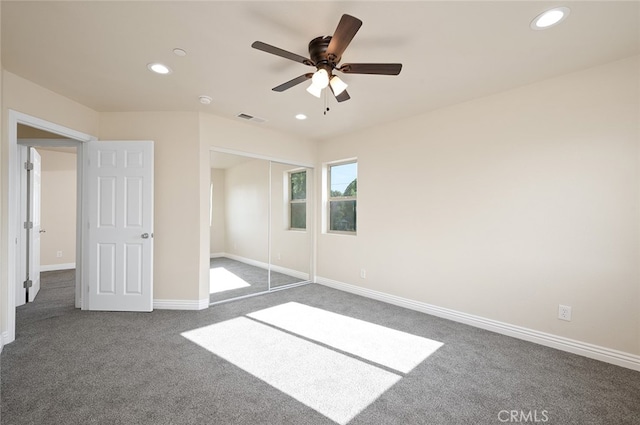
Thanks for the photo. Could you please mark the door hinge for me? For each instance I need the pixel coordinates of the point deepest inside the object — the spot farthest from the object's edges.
(28, 224)
(27, 283)
(28, 166)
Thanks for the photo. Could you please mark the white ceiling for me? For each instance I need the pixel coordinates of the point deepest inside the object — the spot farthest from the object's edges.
(96, 53)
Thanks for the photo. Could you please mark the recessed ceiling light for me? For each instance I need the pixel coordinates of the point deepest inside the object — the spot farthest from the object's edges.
(550, 18)
(159, 68)
(301, 117)
(179, 52)
(205, 100)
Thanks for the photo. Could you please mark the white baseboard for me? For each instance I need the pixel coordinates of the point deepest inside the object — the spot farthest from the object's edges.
(54, 267)
(290, 272)
(181, 304)
(5, 339)
(246, 260)
(277, 269)
(607, 355)
(217, 255)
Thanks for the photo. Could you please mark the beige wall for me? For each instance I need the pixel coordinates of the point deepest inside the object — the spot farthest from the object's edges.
(218, 213)
(24, 96)
(58, 208)
(26, 132)
(218, 132)
(176, 269)
(247, 210)
(506, 206)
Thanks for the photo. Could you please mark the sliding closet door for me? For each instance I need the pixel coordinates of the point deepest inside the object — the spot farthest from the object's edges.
(261, 220)
(291, 224)
(239, 218)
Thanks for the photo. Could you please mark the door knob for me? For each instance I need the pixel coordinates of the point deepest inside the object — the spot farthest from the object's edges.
(145, 236)
(43, 231)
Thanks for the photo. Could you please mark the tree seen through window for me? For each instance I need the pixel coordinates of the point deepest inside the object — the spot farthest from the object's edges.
(343, 191)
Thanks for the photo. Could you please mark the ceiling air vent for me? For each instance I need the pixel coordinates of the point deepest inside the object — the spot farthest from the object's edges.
(251, 118)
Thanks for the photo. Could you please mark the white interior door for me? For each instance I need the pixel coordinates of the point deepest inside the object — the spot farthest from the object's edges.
(21, 254)
(35, 193)
(119, 196)
(28, 257)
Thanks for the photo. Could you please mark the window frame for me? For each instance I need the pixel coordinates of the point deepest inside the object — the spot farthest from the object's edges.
(340, 199)
(291, 201)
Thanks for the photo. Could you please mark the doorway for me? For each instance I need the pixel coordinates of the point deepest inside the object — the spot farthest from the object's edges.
(48, 192)
(15, 245)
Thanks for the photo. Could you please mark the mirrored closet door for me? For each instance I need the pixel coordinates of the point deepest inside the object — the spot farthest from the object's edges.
(260, 225)
(291, 224)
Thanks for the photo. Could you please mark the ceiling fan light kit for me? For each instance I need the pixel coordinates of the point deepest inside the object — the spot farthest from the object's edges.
(315, 90)
(337, 85)
(320, 78)
(325, 54)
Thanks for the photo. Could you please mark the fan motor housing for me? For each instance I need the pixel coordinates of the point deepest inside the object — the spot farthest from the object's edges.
(318, 51)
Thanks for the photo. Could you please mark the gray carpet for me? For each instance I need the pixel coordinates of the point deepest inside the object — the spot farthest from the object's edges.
(72, 367)
(255, 276)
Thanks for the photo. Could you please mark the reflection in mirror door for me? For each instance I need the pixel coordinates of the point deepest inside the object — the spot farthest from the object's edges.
(239, 220)
(291, 228)
(252, 202)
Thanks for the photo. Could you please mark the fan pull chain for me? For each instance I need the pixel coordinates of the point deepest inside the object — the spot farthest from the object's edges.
(326, 107)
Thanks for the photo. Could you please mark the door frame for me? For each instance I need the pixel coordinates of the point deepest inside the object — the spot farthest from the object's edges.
(13, 213)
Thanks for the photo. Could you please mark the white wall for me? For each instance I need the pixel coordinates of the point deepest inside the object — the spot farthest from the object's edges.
(58, 208)
(506, 206)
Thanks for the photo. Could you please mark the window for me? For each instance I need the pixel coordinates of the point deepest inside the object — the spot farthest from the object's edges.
(343, 190)
(298, 200)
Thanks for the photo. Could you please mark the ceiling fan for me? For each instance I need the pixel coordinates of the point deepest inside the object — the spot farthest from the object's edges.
(325, 54)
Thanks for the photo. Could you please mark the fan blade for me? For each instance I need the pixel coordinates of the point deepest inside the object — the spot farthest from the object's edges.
(342, 96)
(291, 83)
(344, 33)
(371, 68)
(282, 53)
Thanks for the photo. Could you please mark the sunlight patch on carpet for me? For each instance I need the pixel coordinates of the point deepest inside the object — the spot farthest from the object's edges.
(394, 349)
(333, 384)
(221, 279)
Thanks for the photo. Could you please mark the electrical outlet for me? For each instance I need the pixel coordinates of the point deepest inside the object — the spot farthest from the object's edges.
(59, 254)
(363, 273)
(564, 312)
